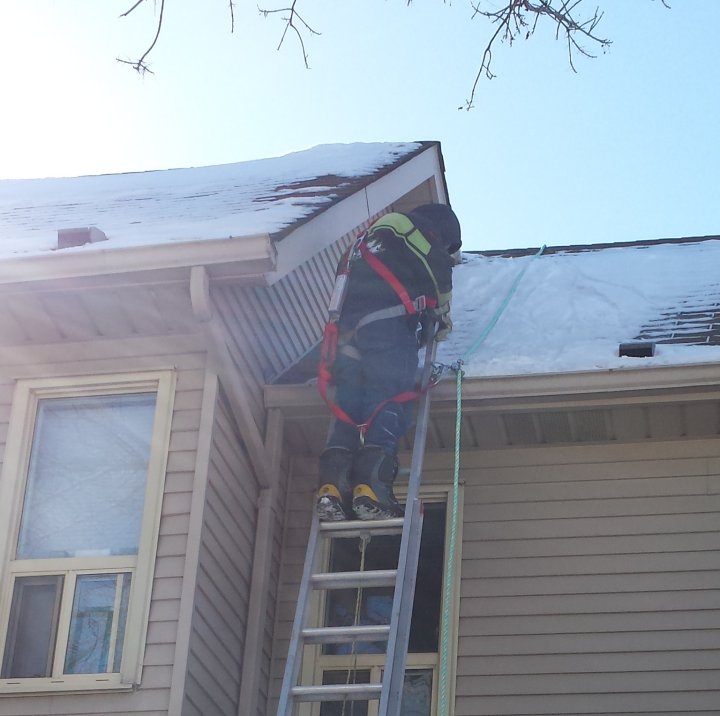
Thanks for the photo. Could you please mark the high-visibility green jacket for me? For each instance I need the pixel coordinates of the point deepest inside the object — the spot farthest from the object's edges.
(421, 265)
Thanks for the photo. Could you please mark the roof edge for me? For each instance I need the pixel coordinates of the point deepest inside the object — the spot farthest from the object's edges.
(586, 387)
(360, 184)
(580, 248)
(246, 254)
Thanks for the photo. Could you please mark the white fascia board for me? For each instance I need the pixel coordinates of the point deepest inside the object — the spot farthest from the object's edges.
(328, 226)
(405, 178)
(245, 254)
(628, 385)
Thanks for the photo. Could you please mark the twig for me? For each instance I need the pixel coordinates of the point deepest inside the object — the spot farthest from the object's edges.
(139, 2)
(140, 65)
(290, 25)
(512, 21)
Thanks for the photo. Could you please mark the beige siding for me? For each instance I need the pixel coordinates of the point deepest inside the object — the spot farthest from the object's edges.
(223, 588)
(285, 495)
(186, 354)
(590, 578)
(270, 328)
(591, 581)
(298, 513)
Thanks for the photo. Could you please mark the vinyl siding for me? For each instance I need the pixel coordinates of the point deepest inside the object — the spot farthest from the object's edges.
(297, 518)
(284, 498)
(590, 581)
(222, 591)
(270, 328)
(186, 354)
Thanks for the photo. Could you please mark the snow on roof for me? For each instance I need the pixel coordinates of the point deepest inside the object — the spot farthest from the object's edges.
(571, 310)
(255, 197)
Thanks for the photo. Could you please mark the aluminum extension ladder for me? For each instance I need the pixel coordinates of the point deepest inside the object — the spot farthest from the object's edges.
(397, 632)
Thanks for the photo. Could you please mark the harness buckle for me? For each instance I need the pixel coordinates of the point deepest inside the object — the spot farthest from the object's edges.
(437, 372)
(420, 303)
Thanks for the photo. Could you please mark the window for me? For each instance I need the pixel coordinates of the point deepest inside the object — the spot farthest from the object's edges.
(343, 663)
(81, 492)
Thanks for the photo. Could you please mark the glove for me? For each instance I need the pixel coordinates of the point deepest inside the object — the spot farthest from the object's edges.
(444, 328)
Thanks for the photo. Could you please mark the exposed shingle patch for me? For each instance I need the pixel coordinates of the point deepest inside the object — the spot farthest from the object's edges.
(695, 321)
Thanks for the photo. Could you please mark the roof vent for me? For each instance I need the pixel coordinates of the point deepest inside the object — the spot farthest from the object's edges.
(637, 349)
(79, 237)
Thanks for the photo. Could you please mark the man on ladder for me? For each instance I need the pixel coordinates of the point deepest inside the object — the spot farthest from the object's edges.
(394, 279)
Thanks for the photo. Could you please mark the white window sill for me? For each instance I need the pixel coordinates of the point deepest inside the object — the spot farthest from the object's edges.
(77, 684)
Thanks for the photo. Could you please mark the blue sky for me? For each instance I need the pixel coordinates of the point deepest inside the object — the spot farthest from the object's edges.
(626, 148)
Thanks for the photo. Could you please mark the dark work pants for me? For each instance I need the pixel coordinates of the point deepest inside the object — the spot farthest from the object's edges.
(387, 366)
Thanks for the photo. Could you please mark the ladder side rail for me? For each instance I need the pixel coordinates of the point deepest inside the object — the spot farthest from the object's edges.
(423, 416)
(394, 673)
(393, 679)
(295, 651)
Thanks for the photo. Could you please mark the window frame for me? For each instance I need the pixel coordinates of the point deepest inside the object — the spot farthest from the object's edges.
(318, 663)
(13, 481)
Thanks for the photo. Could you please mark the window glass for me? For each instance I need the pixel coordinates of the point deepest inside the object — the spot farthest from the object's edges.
(87, 474)
(33, 627)
(416, 698)
(97, 623)
(375, 604)
(417, 693)
(348, 708)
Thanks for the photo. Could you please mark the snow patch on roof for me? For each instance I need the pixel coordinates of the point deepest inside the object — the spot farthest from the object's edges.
(571, 311)
(175, 205)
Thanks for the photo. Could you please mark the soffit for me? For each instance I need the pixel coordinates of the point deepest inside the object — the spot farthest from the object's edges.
(670, 404)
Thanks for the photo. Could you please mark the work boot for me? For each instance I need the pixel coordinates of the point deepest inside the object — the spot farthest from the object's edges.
(334, 496)
(373, 476)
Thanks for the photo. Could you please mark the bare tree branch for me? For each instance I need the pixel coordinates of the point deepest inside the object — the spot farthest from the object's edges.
(137, 4)
(290, 25)
(503, 21)
(514, 19)
(140, 65)
(521, 17)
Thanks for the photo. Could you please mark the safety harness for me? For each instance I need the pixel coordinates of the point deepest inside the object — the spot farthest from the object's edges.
(404, 229)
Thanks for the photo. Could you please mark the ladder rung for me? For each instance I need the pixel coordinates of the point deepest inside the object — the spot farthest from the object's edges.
(337, 692)
(358, 528)
(347, 634)
(347, 580)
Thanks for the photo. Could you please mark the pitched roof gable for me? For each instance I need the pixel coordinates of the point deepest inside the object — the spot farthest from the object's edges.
(269, 196)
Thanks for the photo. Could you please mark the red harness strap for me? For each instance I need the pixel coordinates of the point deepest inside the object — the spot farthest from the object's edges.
(328, 350)
(328, 353)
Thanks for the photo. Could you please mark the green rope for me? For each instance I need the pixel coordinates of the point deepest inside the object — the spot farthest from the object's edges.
(501, 309)
(443, 704)
(443, 696)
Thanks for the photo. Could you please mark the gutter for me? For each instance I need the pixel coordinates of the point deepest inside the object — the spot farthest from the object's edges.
(233, 256)
(602, 387)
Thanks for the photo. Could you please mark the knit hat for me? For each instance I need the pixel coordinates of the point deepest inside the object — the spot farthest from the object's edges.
(443, 221)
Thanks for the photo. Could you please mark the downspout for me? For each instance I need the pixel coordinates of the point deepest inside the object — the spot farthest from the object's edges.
(260, 579)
